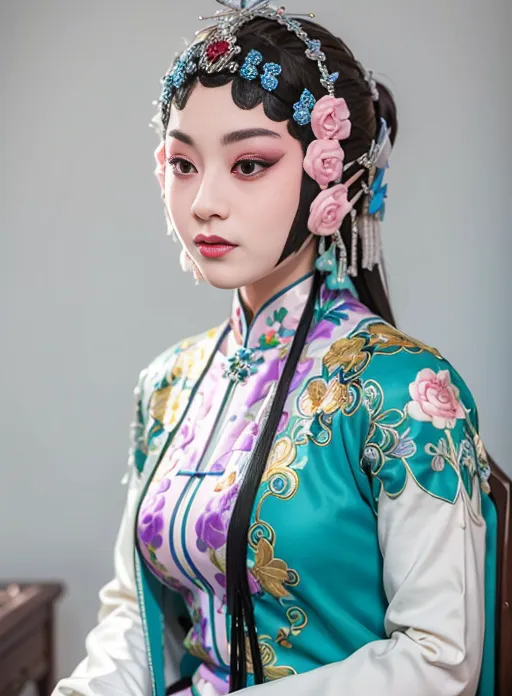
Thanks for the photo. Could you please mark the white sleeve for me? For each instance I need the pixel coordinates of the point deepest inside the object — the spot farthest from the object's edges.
(116, 660)
(433, 555)
(116, 657)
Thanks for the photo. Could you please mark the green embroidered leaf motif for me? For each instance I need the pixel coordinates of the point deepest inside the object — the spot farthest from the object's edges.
(139, 460)
(279, 315)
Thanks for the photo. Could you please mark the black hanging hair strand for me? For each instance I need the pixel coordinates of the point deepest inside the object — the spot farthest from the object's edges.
(238, 592)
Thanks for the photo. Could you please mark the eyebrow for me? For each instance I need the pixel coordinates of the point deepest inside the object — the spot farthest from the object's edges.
(229, 138)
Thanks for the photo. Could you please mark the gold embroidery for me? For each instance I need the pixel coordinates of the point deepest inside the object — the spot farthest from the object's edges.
(226, 482)
(282, 454)
(190, 363)
(483, 462)
(270, 572)
(197, 650)
(345, 353)
(323, 397)
(216, 561)
(269, 659)
(282, 638)
(383, 335)
(166, 405)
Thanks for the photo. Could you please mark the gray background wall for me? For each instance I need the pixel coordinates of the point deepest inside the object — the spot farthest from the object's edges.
(90, 285)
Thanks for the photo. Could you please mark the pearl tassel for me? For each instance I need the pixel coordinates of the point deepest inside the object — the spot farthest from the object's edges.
(353, 247)
(366, 234)
(342, 262)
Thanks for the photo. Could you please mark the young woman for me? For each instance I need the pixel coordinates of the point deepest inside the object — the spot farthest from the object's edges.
(308, 501)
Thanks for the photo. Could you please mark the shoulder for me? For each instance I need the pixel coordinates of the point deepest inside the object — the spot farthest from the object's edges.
(412, 373)
(176, 360)
(182, 363)
(422, 418)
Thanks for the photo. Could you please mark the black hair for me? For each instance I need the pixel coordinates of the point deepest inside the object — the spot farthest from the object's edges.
(279, 45)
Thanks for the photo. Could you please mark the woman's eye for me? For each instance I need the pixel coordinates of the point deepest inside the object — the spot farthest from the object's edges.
(250, 168)
(181, 166)
(246, 168)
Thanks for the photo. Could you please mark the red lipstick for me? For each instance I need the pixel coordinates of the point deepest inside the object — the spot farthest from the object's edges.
(213, 247)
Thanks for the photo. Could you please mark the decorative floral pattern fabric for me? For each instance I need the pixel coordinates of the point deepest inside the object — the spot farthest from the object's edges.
(369, 409)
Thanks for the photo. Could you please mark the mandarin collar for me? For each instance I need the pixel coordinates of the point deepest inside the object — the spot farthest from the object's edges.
(275, 323)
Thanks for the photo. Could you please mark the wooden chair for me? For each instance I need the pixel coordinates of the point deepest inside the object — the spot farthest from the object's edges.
(501, 487)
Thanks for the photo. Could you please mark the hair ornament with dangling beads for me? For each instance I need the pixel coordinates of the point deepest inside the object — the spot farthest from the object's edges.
(215, 49)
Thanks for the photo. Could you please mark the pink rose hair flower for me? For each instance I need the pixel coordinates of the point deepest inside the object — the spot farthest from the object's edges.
(324, 161)
(328, 210)
(435, 399)
(331, 119)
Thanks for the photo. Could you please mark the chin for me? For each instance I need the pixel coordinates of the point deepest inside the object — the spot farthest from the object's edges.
(221, 283)
(229, 276)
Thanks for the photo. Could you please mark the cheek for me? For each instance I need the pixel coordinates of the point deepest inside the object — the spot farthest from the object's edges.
(279, 202)
(180, 198)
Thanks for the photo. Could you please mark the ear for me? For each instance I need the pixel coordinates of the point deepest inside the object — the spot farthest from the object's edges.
(160, 165)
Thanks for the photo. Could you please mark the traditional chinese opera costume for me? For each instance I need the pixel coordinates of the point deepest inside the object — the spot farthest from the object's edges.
(371, 543)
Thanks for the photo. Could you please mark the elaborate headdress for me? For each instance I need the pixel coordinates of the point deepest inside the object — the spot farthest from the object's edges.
(215, 50)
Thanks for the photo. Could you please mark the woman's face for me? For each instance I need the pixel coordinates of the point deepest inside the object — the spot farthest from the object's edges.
(232, 180)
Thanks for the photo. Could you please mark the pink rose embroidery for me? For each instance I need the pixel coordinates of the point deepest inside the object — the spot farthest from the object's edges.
(330, 118)
(328, 210)
(435, 399)
(324, 161)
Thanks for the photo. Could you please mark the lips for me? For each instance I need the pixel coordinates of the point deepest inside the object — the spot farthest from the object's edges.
(211, 239)
(212, 246)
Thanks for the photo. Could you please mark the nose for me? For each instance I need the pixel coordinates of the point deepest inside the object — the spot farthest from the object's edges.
(211, 200)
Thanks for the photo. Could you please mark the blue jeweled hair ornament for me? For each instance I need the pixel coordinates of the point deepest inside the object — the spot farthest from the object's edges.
(216, 50)
(269, 79)
(303, 108)
(249, 69)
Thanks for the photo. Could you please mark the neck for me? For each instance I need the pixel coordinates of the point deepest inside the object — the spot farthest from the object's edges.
(294, 267)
